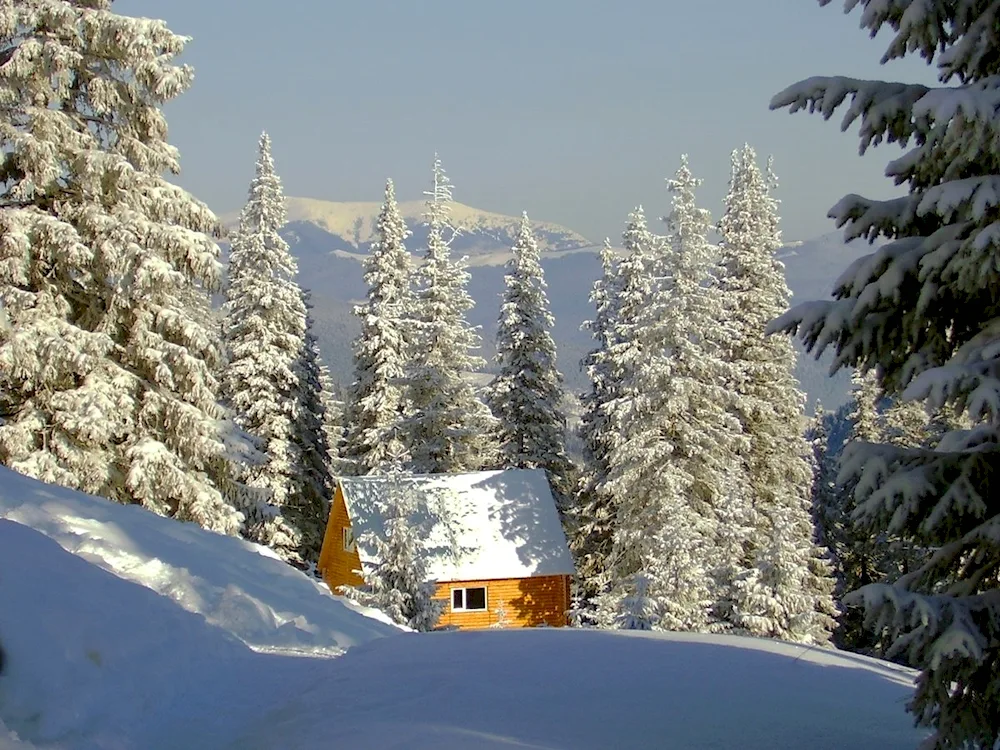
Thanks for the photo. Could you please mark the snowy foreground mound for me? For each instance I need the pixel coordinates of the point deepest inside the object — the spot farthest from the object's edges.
(123, 630)
(237, 586)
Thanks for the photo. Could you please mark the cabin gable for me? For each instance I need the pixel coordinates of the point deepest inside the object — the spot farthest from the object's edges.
(336, 564)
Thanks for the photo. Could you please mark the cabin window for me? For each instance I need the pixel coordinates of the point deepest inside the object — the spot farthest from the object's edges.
(348, 539)
(468, 599)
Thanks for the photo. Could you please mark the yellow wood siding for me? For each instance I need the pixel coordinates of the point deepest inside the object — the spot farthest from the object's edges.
(528, 601)
(336, 564)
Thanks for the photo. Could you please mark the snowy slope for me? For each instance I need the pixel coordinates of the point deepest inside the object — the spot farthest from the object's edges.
(116, 638)
(813, 266)
(236, 586)
(95, 661)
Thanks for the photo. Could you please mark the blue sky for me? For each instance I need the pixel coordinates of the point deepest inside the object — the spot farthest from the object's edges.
(574, 110)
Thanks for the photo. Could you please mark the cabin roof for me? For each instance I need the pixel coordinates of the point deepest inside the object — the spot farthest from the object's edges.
(482, 525)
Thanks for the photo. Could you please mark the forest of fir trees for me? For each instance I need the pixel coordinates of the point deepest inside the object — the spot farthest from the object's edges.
(677, 514)
(227, 417)
(702, 500)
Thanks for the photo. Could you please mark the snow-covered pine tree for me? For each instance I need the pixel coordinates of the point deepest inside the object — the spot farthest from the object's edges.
(674, 440)
(590, 518)
(923, 310)
(780, 596)
(397, 583)
(732, 556)
(376, 401)
(264, 331)
(447, 428)
(334, 422)
(107, 371)
(863, 556)
(628, 341)
(866, 424)
(526, 394)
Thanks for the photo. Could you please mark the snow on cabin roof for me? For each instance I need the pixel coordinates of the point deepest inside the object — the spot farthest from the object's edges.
(479, 526)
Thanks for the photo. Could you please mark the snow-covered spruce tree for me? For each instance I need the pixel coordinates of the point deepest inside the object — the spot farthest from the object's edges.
(590, 517)
(526, 394)
(375, 408)
(786, 593)
(865, 557)
(628, 340)
(311, 433)
(621, 298)
(637, 610)
(866, 424)
(923, 310)
(106, 373)
(264, 331)
(397, 583)
(674, 440)
(827, 508)
(446, 428)
(905, 423)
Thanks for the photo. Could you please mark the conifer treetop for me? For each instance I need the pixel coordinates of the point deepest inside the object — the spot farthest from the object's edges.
(526, 394)
(257, 246)
(447, 427)
(439, 199)
(376, 399)
(271, 363)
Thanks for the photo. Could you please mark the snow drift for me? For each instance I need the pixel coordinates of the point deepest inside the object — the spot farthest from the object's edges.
(237, 586)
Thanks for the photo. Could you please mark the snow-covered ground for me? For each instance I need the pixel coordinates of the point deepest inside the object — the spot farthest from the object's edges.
(124, 630)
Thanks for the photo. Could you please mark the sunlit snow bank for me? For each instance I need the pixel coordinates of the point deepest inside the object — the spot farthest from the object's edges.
(161, 661)
(235, 585)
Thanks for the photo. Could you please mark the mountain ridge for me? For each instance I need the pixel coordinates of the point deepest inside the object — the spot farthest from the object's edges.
(354, 221)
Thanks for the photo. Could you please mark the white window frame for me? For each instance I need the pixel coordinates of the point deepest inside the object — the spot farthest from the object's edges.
(465, 598)
(348, 539)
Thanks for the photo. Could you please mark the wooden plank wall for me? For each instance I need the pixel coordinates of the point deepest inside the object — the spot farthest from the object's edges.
(528, 602)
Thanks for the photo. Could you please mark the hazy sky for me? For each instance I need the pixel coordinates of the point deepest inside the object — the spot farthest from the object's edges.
(574, 110)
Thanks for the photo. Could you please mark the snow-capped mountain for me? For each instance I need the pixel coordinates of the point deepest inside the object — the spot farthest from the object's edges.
(351, 227)
(813, 266)
(330, 239)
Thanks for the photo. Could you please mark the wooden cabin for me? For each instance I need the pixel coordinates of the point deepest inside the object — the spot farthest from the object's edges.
(492, 540)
